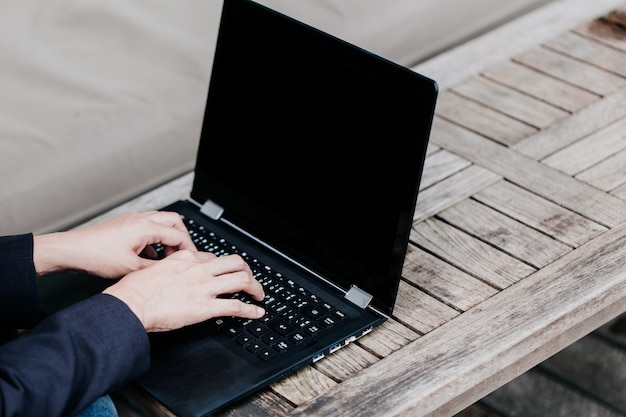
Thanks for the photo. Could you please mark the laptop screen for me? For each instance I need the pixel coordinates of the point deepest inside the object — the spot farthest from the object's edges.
(315, 147)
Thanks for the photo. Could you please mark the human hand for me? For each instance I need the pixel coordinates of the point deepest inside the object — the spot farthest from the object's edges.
(114, 248)
(183, 289)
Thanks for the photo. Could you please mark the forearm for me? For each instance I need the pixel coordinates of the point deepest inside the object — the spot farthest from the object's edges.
(72, 358)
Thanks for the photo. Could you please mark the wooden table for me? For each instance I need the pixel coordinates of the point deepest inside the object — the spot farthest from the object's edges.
(518, 247)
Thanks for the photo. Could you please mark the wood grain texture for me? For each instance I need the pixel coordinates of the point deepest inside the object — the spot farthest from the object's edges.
(510, 236)
(420, 312)
(444, 282)
(543, 87)
(608, 174)
(539, 213)
(511, 102)
(525, 32)
(518, 246)
(484, 120)
(452, 190)
(534, 318)
(387, 338)
(590, 50)
(440, 165)
(581, 74)
(532, 175)
(469, 254)
(585, 122)
(590, 150)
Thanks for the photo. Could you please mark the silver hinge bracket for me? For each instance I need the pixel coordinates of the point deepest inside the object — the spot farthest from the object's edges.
(358, 296)
(212, 210)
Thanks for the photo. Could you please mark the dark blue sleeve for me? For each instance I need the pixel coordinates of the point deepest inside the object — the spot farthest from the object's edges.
(18, 282)
(71, 358)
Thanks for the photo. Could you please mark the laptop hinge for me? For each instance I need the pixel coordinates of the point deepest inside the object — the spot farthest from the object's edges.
(358, 296)
(212, 210)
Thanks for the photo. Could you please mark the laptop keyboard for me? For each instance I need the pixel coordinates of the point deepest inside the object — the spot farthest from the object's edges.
(293, 314)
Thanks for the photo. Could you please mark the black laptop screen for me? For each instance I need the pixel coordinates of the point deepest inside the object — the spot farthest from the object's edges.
(315, 146)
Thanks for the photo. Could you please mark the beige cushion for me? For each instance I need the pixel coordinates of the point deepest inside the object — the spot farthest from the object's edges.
(103, 100)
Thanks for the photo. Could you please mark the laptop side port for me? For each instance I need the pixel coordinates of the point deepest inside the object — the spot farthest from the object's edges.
(318, 357)
(334, 348)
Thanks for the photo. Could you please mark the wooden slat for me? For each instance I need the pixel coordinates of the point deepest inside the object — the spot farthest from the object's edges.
(511, 102)
(387, 338)
(443, 281)
(574, 72)
(608, 174)
(440, 165)
(525, 32)
(609, 29)
(552, 219)
(518, 240)
(532, 175)
(469, 254)
(452, 190)
(540, 86)
(264, 404)
(620, 192)
(592, 118)
(345, 362)
(590, 150)
(491, 123)
(431, 149)
(304, 385)
(440, 373)
(589, 50)
(419, 311)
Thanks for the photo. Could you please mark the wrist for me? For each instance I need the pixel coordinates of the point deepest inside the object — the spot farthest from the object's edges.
(51, 253)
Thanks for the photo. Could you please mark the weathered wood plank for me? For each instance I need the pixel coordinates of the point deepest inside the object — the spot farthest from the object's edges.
(264, 404)
(581, 74)
(545, 88)
(491, 123)
(304, 385)
(589, 50)
(609, 28)
(552, 219)
(431, 149)
(608, 174)
(443, 371)
(440, 165)
(345, 362)
(592, 118)
(387, 338)
(443, 281)
(620, 192)
(511, 102)
(502, 43)
(452, 190)
(510, 236)
(419, 311)
(468, 254)
(532, 175)
(590, 150)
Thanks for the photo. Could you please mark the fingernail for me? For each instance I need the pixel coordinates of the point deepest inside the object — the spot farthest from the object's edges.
(260, 311)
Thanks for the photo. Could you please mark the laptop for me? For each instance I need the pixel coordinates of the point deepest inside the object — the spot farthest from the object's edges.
(308, 166)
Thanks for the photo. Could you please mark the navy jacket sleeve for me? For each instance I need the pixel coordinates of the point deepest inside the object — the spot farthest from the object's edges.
(72, 357)
(18, 282)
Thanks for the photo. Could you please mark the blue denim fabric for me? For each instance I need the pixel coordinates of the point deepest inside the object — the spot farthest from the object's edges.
(102, 407)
